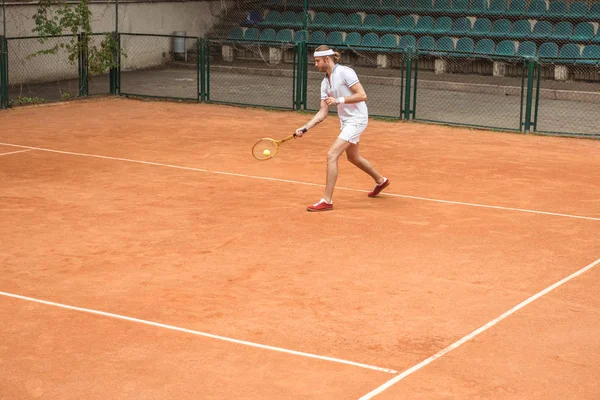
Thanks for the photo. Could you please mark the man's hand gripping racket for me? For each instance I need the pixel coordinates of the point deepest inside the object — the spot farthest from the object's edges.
(267, 148)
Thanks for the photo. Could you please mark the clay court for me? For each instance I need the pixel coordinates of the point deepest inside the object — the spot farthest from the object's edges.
(145, 254)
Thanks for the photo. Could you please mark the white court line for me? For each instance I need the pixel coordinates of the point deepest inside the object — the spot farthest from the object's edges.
(198, 333)
(15, 152)
(476, 332)
(523, 210)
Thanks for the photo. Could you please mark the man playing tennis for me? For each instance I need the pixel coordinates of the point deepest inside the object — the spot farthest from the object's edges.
(341, 87)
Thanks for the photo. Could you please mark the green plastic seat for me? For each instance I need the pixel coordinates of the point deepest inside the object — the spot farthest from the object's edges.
(562, 31)
(284, 35)
(485, 46)
(371, 21)
(505, 48)
(236, 33)
(289, 19)
(461, 26)
(353, 39)
(517, 7)
(497, 7)
(423, 6)
(335, 38)
(500, 28)
(594, 12)
(318, 37)
(584, 31)
(251, 34)
(442, 6)
(354, 20)
(370, 40)
(542, 29)
(578, 9)
(464, 47)
(301, 36)
(338, 21)
(460, 6)
(479, 6)
(389, 40)
(321, 20)
(548, 50)
(267, 35)
(445, 44)
(557, 9)
(403, 5)
(406, 23)
(388, 23)
(591, 54)
(270, 19)
(407, 42)
(424, 24)
(570, 51)
(521, 29)
(443, 25)
(527, 49)
(426, 43)
(482, 27)
(537, 8)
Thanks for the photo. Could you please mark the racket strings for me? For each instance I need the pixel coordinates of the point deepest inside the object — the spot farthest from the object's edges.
(264, 149)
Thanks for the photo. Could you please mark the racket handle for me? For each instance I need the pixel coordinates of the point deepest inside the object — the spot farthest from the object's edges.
(304, 130)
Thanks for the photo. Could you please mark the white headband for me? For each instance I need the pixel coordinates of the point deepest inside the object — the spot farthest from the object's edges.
(324, 53)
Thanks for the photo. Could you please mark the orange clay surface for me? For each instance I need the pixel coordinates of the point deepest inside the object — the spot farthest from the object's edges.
(214, 247)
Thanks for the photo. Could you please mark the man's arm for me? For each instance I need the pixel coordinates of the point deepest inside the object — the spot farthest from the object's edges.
(319, 117)
(358, 95)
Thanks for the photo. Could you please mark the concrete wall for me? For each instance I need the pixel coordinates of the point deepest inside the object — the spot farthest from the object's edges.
(194, 18)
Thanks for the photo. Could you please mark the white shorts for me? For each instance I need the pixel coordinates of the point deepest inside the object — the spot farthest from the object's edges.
(351, 132)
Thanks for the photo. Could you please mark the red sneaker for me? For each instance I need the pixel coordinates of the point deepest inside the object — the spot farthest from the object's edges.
(321, 205)
(378, 188)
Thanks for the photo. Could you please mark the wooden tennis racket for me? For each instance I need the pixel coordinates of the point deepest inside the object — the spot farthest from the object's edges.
(267, 148)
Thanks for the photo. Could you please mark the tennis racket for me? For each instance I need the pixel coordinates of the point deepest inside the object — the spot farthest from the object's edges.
(267, 148)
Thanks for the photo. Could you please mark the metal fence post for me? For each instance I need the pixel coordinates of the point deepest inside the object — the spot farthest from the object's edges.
(528, 101)
(299, 84)
(408, 78)
(202, 68)
(83, 64)
(4, 72)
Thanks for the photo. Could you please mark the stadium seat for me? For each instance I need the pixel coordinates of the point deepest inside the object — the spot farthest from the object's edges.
(370, 40)
(562, 30)
(251, 34)
(354, 20)
(267, 35)
(521, 29)
(482, 27)
(272, 16)
(461, 26)
(236, 33)
(505, 48)
(253, 18)
(321, 20)
(389, 40)
(406, 24)
(338, 21)
(353, 39)
(557, 9)
(442, 6)
(584, 31)
(426, 43)
(485, 46)
(578, 9)
(570, 51)
(443, 25)
(479, 6)
(594, 12)
(388, 23)
(500, 28)
(402, 5)
(548, 50)
(317, 37)
(464, 45)
(407, 42)
(424, 24)
(301, 36)
(444, 44)
(592, 53)
(527, 49)
(335, 38)
(517, 7)
(387, 5)
(542, 29)
(537, 8)
(371, 21)
(289, 19)
(497, 7)
(460, 6)
(284, 35)
(423, 6)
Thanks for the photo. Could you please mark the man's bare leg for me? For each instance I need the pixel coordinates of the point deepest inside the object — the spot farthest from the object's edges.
(355, 158)
(333, 155)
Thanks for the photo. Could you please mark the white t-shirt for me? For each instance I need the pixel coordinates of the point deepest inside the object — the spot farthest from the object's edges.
(342, 79)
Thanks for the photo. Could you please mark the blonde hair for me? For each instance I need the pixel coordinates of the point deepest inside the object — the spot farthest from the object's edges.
(336, 55)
